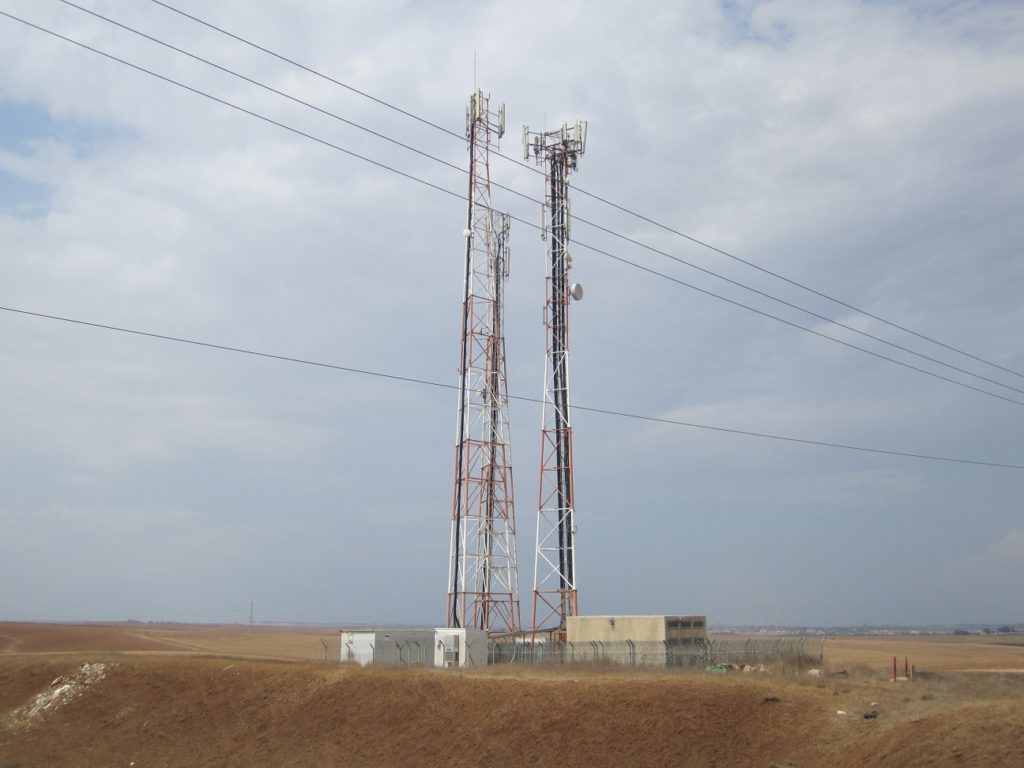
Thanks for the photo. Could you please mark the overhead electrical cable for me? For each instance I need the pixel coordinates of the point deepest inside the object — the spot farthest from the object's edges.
(783, 320)
(802, 286)
(271, 89)
(225, 103)
(311, 71)
(594, 196)
(520, 220)
(534, 200)
(441, 385)
(797, 307)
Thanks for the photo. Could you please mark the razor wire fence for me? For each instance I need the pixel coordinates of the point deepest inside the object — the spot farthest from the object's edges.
(416, 653)
(730, 650)
(748, 650)
(739, 651)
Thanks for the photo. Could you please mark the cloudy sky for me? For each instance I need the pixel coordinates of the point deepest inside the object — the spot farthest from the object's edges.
(872, 151)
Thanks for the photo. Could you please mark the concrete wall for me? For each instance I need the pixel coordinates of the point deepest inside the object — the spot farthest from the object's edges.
(398, 646)
(415, 647)
(645, 640)
(357, 646)
(460, 647)
(615, 629)
(686, 630)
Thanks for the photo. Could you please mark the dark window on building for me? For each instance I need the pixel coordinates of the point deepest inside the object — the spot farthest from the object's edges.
(679, 624)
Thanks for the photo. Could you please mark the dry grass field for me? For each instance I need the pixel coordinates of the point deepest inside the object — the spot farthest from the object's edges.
(188, 696)
(935, 653)
(281, 643)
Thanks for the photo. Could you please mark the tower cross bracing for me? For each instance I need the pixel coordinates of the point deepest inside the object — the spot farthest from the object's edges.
(483, 590)
(555, 595)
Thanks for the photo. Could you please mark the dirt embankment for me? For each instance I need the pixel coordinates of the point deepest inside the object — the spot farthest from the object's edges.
(160, 711)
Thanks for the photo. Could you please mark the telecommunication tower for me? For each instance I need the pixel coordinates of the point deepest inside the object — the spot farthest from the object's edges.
(554, 573)
(483, 591)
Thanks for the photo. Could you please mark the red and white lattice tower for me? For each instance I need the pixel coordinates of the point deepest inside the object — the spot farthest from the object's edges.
(483, 591)
(554, 574)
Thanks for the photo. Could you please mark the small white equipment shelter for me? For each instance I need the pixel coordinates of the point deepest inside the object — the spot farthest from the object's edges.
(460, 647)
(454, 648)
(393, 646)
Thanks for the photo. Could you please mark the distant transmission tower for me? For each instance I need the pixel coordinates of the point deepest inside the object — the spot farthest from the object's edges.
(554, 573)
(483, 591)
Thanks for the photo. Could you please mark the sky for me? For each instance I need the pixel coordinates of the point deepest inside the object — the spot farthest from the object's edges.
(873, 151)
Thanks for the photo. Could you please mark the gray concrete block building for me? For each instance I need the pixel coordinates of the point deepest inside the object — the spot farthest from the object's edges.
(655, 640)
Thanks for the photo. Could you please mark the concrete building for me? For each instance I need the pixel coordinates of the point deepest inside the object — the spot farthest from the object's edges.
(657, 640)
(415, 647)
(390, 646)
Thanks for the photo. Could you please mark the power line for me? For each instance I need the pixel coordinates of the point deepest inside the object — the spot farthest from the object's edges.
(520, 220)
(596, 225)
(229, 104)
(538, 202)
(765, 435)
(268, 88)
(599, 198)
(311, 71)
(807, 288)
(783, 320)
(440, 385)
(806, 311)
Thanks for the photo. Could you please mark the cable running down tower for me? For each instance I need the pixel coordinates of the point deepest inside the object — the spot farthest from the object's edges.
(554, 574)
(483, 591)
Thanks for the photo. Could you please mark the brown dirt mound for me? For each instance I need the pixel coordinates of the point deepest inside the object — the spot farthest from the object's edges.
(172, 712)
(161, 711)
(983, 735)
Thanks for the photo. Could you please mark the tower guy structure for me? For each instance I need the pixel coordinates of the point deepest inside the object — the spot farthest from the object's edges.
(554, 574)
(483, 579)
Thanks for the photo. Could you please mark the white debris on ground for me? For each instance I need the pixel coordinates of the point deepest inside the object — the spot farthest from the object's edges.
(62, 690)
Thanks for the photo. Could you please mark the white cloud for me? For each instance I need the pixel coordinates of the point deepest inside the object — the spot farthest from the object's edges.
(870, 150)
(1005, 557)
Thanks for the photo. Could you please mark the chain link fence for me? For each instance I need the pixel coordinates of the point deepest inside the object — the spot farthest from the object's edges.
(739, 651)
(730, 650)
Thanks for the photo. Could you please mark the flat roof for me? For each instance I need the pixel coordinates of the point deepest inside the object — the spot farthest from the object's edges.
(641, 616)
